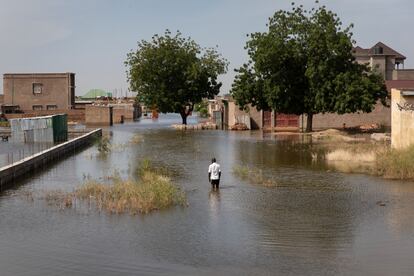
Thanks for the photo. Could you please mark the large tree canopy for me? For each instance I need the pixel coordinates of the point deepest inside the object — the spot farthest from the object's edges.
(304, 64)
(172, 73)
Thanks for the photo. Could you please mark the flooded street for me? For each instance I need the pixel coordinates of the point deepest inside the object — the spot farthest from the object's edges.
(314, 221)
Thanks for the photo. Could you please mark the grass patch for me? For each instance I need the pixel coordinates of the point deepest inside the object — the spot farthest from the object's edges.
(396, 164)
(151, 191)
(353, 157)
(372, 158)
(254, 176)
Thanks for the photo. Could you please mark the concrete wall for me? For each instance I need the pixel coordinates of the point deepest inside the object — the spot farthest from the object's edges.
(1, 99)
(235, 114)
(403, 74)
(389, 67)
(232, 114)
(9, 174)
(380, 115)
(402, 110)
(57, 90)
(363, 60)
(378, 64)
(126, 110)
(256, 118)
(99, 115)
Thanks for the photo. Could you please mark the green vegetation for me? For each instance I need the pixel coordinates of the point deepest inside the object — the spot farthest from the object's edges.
(304, 64)
(153, 190)
(172, 74)
(253, 175)
(201, 108)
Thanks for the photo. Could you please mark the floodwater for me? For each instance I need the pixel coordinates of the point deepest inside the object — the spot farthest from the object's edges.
(314, 222)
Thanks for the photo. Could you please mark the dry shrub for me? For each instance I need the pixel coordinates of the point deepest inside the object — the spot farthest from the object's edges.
(396, 164)
(377, 159)
(346, 155)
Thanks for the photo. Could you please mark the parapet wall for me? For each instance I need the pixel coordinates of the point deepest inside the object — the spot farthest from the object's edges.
(9, 174)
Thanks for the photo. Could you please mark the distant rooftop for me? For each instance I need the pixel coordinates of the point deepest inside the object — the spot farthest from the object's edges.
(36, 74)
(94, 93)
(379, 49)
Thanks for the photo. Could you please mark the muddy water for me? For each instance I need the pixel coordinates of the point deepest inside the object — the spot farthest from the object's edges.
(314, 222)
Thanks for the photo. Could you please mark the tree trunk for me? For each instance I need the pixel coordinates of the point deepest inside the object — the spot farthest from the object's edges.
(184, 117)
(309, 122)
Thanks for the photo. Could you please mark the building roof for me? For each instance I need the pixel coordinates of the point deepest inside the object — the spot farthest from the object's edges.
(399, 84)
(94, 93)
(386, 51)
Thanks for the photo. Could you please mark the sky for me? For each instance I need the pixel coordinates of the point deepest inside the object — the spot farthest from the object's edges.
(92, 37)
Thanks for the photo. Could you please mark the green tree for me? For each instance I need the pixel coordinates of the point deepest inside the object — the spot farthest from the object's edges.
(202, 108)
(172, 73)
(304, 64)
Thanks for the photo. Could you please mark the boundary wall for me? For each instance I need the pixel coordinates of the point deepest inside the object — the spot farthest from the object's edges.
(10, 173)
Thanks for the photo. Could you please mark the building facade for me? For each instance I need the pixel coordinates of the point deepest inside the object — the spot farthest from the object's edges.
(39, 91)
(380, 58)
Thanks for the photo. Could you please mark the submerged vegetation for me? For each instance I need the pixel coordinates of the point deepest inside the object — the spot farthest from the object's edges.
(253, 175)
(104, 145)
(153, 190)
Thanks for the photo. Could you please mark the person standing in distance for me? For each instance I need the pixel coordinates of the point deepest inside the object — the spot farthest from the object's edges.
(214, 174)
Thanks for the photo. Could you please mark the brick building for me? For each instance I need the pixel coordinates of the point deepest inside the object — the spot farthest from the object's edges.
(39, 91)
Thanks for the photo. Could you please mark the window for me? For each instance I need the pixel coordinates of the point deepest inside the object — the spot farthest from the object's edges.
(37, 88)
(51, 107)
(378, 50)
(37, 107)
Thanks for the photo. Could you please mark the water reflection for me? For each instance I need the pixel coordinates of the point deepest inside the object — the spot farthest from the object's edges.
(214, 211)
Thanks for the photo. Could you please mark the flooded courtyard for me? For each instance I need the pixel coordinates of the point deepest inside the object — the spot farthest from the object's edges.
(313, 221)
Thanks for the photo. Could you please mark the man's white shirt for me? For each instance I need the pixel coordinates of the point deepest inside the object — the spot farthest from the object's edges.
(214, 170)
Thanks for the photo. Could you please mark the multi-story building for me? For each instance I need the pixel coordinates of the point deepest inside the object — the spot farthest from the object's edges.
(380, 58)
(39, 91)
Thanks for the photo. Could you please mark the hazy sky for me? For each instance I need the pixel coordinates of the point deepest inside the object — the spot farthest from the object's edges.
(92, 37)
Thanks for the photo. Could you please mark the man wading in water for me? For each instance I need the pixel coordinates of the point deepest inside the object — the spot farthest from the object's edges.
(214, 174)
